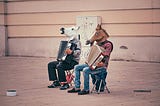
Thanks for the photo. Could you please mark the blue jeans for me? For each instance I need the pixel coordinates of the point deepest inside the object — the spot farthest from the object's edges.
(98, 74)
(86, 72)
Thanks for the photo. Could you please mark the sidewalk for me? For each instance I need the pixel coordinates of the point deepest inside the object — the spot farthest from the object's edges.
(29, 76)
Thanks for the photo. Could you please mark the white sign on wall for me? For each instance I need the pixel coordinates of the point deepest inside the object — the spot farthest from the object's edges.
(87, 25)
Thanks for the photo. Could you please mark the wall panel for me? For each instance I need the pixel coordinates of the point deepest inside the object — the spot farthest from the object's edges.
(129, 29)
(156, 29)
(117, 23)
(156, 15)
(54, 18)
(33, 26)
(35, 31)
(112, 29)
(1, 13)
(138, 48)
(1, 7)
(128, 16)
(1, 19)
(76, 5)
(2, 41)
(156, 3)
(142, 49)
(45, 47)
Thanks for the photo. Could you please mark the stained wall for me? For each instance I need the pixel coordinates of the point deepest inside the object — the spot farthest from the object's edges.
(33, 26)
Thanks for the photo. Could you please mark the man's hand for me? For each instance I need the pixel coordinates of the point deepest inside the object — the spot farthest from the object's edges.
(68, 51)
(100, 64)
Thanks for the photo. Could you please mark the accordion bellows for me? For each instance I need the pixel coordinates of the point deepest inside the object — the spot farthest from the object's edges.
(94, 56)
(62, 48)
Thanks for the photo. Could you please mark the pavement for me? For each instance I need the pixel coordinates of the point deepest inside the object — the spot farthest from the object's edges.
(29, 77)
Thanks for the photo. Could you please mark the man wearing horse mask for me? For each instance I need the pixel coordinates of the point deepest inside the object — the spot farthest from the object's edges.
(100, 37)
(71, 59)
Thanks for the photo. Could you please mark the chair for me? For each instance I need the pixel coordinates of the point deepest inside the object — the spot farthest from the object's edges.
(69, 77)
(98, 80)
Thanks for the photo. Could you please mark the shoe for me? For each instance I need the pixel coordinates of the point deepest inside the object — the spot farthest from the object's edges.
(54, 84)
(83, 92)
(57, 83)
(51, 86)
(64, 87)
(74, 90)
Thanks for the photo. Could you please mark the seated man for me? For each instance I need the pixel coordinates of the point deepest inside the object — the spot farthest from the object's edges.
(100, 37)
(72, 58)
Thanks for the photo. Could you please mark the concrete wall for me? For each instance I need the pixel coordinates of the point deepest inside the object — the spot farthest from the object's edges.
(33, 26)
(2, 30)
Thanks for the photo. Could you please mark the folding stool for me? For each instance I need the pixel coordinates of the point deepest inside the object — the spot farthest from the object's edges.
(100, 77)
(69, 77)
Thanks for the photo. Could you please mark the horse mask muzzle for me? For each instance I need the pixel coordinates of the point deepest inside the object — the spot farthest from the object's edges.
(62, 30)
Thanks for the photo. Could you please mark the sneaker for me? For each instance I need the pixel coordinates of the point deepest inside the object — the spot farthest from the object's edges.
(83, 92)
(64, 87)
(54, 84)
(74, 90)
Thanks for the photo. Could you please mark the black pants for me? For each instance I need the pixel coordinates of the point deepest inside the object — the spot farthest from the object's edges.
(61, 68)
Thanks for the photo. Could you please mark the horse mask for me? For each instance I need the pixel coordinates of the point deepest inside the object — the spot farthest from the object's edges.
(70, 32)
(99, 36)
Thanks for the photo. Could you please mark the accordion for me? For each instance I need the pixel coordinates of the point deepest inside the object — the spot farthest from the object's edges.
(95, 56)
(62, 56)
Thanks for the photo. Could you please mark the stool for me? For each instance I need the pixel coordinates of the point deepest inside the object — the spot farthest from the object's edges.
(99, 89)
(69, 77)
(100, 77)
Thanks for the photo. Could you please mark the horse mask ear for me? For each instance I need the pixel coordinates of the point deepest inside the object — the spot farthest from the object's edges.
(98, 27)
(77, 27)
